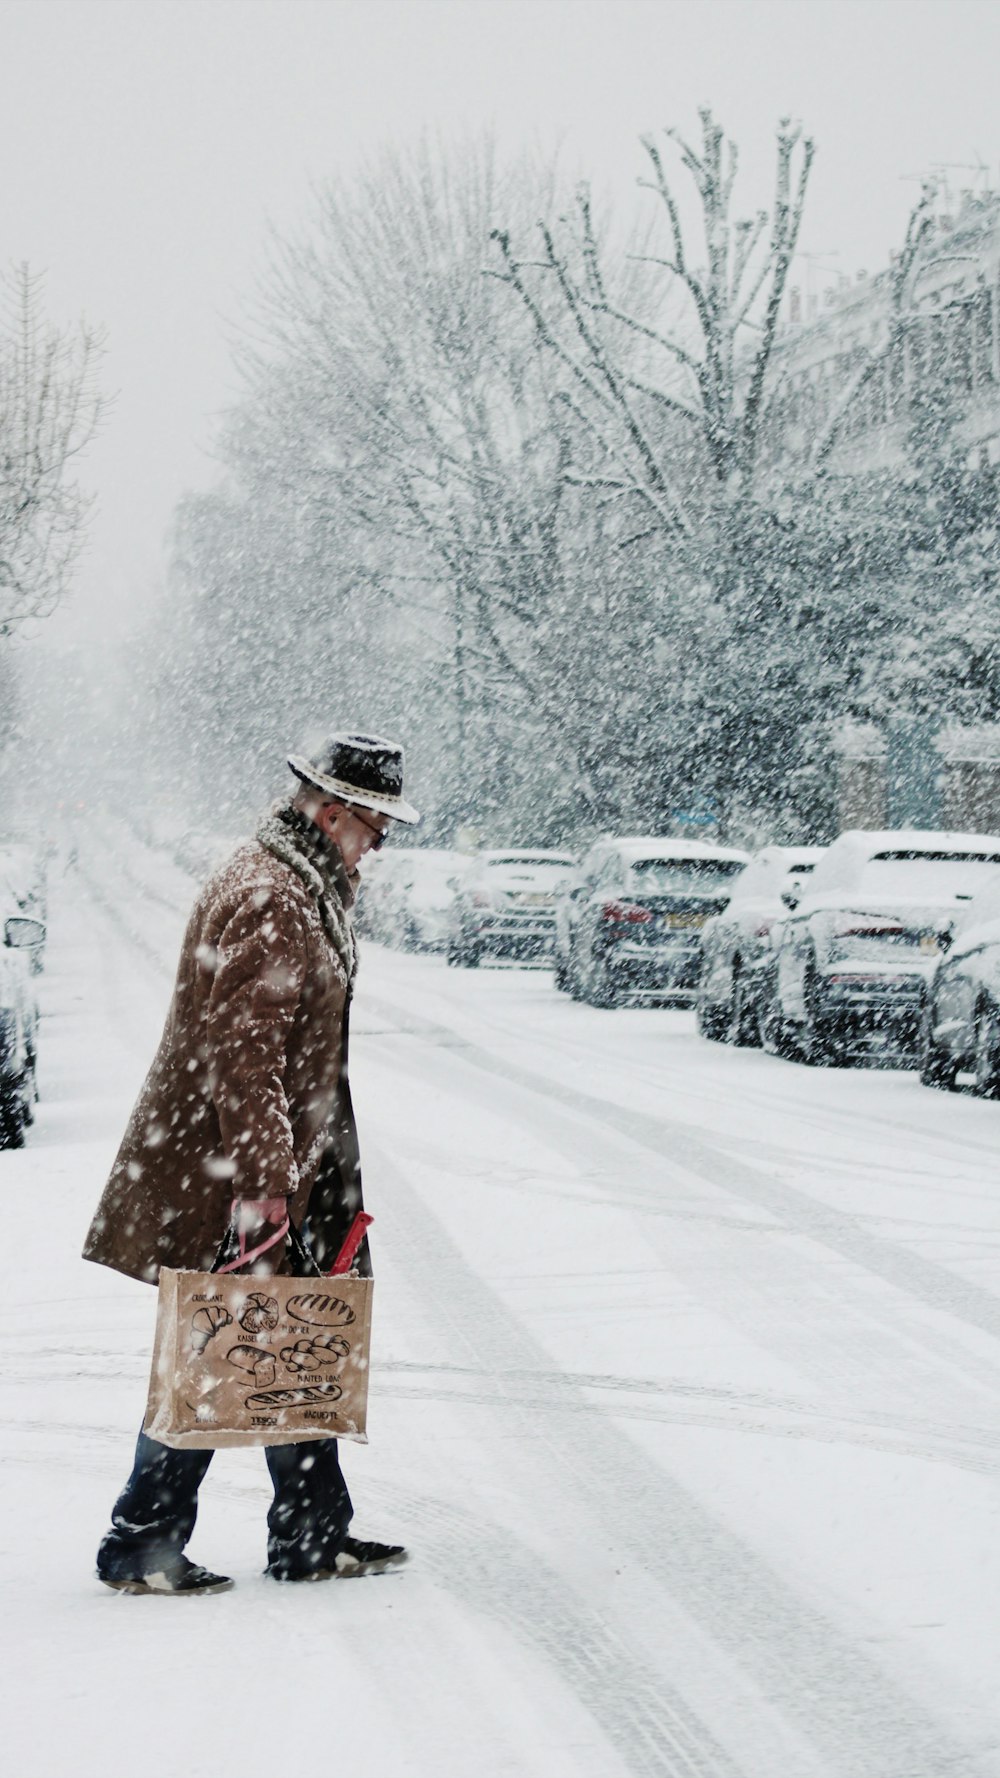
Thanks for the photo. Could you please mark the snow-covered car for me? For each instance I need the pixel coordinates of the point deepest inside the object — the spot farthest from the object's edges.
(736, 983)
(631, 923)
(856, 953)
(18, 1027)
(414, 908)
(504, 905)
(23, 881)
(960, 1030)
(377, 871)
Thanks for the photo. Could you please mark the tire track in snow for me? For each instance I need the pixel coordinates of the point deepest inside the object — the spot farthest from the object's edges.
(819, 1318)
(785, 1104)
(797, 1211)
(848, 1710)
(557, 1392)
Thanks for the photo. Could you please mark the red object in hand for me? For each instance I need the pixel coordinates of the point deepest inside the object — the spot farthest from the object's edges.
(355, 1236)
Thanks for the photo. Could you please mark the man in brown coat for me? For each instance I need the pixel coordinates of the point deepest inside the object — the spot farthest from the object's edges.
(244, 1121)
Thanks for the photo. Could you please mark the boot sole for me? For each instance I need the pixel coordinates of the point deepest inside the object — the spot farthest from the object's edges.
(358, 1573)
(140, 1588)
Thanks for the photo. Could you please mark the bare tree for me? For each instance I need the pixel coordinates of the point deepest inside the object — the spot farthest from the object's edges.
(672, 394)
(641, 388)
(50, 408)
(433, 461)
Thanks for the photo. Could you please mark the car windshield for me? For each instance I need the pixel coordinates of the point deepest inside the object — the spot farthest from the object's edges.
(927, 873)
(535, 870)
(984, 910)
(661, 876)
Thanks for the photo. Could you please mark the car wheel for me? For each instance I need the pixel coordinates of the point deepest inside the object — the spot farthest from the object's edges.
(777, 1037)
(29, 1090)
(744, 1029)
(601, 991)
(823, 1046)
(938, 1067)
(712, 1021)
(987, 1060)
(12, 1118)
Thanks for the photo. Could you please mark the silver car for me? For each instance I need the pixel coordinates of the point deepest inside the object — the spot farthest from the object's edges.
(960, 1033)
(415, 906)
(504, 905)
(737, 969)
(855, 955)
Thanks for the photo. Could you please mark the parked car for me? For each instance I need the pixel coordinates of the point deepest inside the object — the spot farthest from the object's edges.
(23, 880)
(736, 985)
(377, 871)
(855, 955)
(504, 905)
(414, 908)
(18, 1027)
(631, 923)
(960, 1030)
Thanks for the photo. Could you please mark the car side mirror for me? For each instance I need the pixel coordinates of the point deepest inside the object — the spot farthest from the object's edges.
(790, 900)
(22, 934)
(946, 937)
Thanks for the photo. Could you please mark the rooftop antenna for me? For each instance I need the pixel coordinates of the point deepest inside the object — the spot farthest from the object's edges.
(814, 265)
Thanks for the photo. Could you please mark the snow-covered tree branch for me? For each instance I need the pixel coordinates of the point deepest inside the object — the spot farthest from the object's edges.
(50, 408)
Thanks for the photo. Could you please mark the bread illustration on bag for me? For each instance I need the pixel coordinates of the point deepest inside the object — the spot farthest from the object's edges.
(259, 1313)
(309, 1353)
(205, 1324)
(258, 1364)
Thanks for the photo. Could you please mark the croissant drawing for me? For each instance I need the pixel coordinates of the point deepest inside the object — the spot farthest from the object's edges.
(205, 1324)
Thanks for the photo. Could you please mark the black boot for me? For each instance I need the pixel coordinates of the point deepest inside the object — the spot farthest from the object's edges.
(174, 1575)
(352, 1560)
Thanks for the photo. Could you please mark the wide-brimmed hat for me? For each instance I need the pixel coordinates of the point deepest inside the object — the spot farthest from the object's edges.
(362, 769)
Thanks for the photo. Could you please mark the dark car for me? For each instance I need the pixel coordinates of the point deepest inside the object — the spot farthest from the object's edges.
(633, 919)
(961, 1023)
(855, 955)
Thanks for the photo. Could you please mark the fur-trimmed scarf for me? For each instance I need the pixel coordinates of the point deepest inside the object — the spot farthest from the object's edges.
(297, 841)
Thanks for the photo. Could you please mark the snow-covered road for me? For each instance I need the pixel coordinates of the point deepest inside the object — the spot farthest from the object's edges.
(685, 1396)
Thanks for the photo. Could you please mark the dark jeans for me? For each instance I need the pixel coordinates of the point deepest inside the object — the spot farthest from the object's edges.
(155, 1513)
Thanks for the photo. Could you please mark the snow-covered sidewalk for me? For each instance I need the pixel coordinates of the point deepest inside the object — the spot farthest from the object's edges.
(684, 1395)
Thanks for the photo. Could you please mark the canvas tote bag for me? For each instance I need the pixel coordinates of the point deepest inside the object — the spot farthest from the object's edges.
(260, 1361)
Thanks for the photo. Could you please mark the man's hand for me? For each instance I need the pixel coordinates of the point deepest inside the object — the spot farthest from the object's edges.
(254, 1220)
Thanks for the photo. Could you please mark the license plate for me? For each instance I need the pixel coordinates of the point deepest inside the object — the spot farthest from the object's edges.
(531, 901)
(929, 944)
(685, 922)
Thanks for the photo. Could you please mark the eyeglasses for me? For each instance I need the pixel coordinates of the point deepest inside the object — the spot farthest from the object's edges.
(381, 833)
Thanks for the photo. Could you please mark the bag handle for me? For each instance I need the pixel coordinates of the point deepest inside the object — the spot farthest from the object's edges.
(228, 1261)
(306, 1265)
(243, 1258)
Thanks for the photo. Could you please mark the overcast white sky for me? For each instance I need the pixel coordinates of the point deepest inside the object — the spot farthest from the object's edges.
(146, 143)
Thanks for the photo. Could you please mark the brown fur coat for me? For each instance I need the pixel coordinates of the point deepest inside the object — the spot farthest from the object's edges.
(248, 1092)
